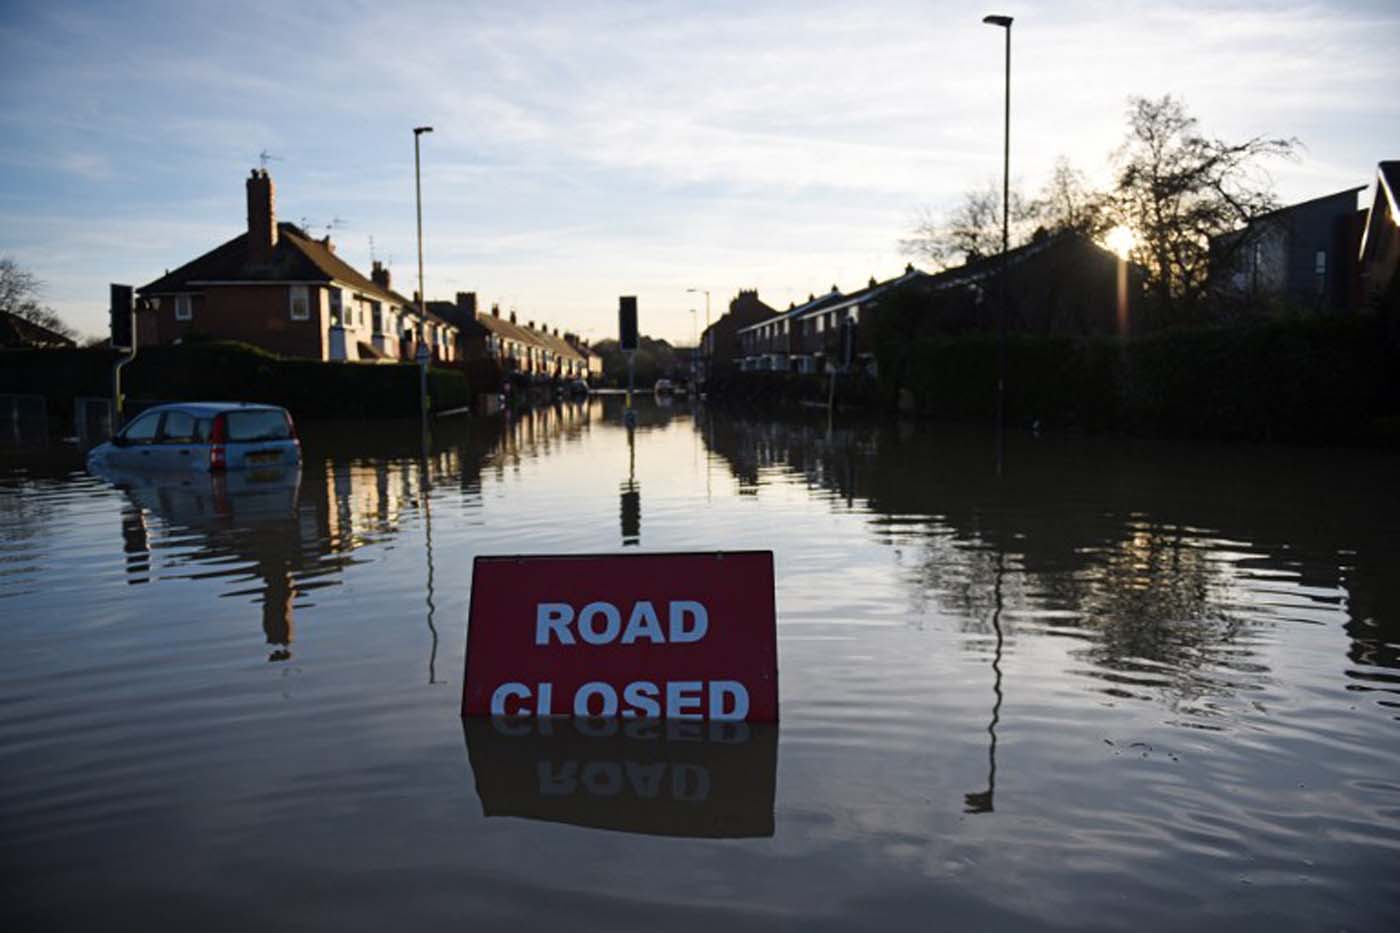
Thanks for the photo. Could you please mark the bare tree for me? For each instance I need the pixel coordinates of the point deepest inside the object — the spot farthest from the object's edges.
(1068, 202)
(1177, 189)
(20, 291)
(973, 229)
(970, 231)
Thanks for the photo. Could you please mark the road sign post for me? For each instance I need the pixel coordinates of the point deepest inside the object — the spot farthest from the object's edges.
(123, 332)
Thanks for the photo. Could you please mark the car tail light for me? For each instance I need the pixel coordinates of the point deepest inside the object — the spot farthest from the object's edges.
(292, 430)
(218, 437)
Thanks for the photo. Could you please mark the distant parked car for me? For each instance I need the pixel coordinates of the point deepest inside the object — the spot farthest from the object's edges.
(206, 436)
(577, 388)
(663, 387)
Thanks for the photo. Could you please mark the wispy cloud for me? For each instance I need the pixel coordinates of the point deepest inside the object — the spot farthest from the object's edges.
(587, 149)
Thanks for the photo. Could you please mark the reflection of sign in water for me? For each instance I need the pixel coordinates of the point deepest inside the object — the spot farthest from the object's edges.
(667, 636)
(663, 777)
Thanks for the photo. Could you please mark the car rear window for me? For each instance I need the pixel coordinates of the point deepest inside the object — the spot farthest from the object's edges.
(263, 424)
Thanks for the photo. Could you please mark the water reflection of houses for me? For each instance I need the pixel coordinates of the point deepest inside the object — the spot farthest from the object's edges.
(1138, 556)
(278, 538)
(535, 433)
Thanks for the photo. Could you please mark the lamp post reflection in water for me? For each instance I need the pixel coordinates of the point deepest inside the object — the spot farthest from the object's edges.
(982, 801)
(631, 494)
(425, 490)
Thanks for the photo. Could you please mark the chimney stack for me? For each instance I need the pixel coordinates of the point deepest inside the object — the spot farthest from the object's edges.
(531, 325)
(262, 217)
(379, 274)
(326, 242)
(466, 304)
(512, 316)
(495, 309)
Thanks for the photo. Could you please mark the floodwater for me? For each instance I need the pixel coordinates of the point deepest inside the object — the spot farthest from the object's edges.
(1127, 686)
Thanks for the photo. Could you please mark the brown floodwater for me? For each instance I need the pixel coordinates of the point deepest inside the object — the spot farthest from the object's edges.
(1125, 686)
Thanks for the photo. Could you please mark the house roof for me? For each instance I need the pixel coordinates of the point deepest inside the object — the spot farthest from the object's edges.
(16, 332)
(457, 317)
(296, 258)
(835, 300)
(560, 346)
(1297, 204)
(989, 266)
(507, 330)
(830, 298)
(865, 294)
(1387, 186)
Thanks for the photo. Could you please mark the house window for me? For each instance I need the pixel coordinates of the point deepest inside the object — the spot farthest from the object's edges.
(376, 314)
(182, 308)
(336, 307)
(301, 304)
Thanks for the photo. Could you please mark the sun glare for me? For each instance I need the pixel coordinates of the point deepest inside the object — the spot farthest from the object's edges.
(1120, 239)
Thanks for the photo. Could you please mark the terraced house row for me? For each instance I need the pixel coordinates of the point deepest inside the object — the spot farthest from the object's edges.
(536, 351)
(278, 288)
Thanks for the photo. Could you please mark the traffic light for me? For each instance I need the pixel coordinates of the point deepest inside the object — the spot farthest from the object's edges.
(121, 312)
(627, 322)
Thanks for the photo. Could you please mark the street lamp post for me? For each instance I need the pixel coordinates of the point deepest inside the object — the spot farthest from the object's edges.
(1005, 23)
(706, 291)
(418, 196)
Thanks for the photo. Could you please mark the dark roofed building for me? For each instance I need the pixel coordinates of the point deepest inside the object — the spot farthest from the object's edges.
(16, 333)
(523, 348)
(1304, 254)
(1061, 284)
(275, 287)
(719, 344)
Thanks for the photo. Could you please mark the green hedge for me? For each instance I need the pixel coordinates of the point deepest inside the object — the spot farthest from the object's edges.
(1319, 379)
(231, 371)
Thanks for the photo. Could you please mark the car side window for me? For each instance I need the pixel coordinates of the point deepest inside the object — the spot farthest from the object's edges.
(178, 428)
(143, 429)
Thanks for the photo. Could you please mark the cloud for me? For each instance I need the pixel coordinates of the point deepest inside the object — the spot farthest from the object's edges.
(586, 149)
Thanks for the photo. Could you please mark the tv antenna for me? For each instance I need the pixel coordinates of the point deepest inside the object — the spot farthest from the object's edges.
(265, 157)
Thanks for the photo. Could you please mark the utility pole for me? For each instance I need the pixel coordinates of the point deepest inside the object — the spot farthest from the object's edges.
(423, 356)
(1005, 23)
(703, 362)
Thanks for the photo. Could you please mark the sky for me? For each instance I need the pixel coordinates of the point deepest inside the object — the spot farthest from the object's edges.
(583, 151)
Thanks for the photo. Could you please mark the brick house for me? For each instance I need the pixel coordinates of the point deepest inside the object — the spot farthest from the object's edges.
(818, 328)
(719, 344)
(277, 288)
(538, 352)
(772, 344)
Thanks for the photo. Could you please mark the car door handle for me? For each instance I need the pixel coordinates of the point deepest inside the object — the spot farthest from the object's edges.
(184, 453)
(145, 453)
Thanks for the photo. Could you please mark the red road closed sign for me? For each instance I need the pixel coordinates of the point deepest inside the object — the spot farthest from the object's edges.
(668, 636)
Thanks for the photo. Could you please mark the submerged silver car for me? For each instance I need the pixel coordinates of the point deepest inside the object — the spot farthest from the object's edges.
(202, 436)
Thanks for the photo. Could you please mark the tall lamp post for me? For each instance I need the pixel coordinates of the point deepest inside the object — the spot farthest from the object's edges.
(418, 131)
(1005, 23)
(706, 292)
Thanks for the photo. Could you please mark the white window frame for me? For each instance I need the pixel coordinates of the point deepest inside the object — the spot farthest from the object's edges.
(293, 294)
(184, 307)
(337, 308)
